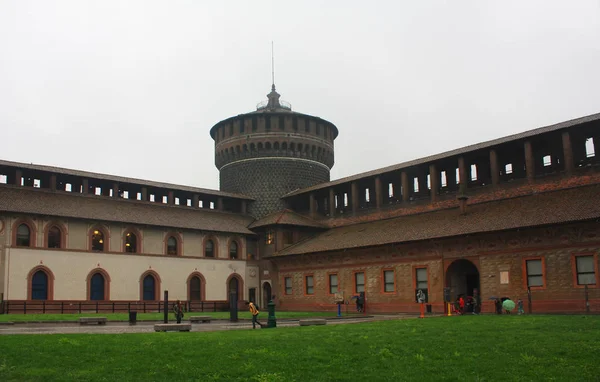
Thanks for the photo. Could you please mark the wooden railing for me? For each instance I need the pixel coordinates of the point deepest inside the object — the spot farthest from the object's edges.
(64, 307)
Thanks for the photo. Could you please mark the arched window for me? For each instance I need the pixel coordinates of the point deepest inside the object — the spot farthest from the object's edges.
(97, 287)
(171, 246)
(209, 249)
(195, 289)
(233, 250)
(23, 236)
(131, 242)
(149, 285)
(39, 286)
(54, 237)
(97, 240)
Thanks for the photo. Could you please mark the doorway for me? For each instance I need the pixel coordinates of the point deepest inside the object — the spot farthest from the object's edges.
(266, 293)
(462, 277)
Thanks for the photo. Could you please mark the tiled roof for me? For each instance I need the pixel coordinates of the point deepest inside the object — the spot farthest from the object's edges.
(449, 154)
(576, 204)
(63, 204)
(286, 217)
(120, 179)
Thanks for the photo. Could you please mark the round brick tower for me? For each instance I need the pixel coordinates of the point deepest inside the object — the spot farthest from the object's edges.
(272, 151)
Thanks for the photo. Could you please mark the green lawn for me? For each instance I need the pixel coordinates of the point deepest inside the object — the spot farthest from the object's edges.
(469, 348)
(156, 316)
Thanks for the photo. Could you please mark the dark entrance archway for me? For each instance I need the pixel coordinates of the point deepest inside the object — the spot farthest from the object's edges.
(462, 277)
(233, 292)
(266, 294)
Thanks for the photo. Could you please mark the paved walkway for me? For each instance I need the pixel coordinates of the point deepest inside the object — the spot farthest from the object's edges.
(148, 326)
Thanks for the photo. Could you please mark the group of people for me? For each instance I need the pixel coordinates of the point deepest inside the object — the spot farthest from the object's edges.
(499, 304)
(467, 304)
(178, 309)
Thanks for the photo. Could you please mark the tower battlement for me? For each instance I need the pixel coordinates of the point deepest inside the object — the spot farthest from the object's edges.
(270, 152)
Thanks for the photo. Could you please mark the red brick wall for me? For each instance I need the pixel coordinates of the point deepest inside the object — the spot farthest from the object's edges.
(491, 253)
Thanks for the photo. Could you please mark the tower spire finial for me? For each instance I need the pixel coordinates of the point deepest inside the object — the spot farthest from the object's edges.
(272, 67)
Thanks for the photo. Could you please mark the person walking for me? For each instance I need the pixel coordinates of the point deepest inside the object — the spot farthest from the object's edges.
(178, 310)
(254, 311)
(520, 305)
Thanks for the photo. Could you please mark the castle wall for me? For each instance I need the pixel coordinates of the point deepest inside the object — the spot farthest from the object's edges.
(72, 268)
(500, 259)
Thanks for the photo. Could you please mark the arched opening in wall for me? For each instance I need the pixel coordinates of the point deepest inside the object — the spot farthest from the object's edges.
(267, 294)
(260, 146)
(300, 147)
(252, 147)
(245, 148)
(284, 146)
(131, 242)
(462, 277)
(97, 287)
(234, 292)
(268, 145)
(292, 147)
(233, 250)
(23, 235)
(172, 246)
(209, 249)
(54, 237)
(39, 286)
(196, 287)
(276, 146)
(97, 240)
(149, 288)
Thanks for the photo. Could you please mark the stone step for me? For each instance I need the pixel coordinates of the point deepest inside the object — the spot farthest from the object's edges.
(314, 321)
(90, 320)
(172, 327)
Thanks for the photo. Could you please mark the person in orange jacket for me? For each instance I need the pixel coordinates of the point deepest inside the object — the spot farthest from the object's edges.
(254, 311)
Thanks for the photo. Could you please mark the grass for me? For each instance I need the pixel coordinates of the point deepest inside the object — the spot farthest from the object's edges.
(155, 316)
(469, 348)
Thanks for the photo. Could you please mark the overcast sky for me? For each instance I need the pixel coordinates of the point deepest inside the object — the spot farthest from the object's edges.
(132, 88)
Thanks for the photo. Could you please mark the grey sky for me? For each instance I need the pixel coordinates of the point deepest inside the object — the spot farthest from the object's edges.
(132, 88)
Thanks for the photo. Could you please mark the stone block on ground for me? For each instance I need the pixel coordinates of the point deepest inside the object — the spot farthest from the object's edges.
(314, 321)
(172, 327)
(92, 320)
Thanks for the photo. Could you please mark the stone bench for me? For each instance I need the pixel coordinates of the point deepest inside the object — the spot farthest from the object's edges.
(195, 319)
(315, 321)
(92, 320)
(172, 327)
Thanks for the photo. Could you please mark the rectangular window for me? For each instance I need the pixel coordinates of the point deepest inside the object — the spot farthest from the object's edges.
(288, 285)
(547, 160)
(508, 169)
(269, 237)
(309, 285)
(333, 284)
(473, 172)
(586, 271)
(388, 281)
(535, 273)
(421, 277)
(444, 180)
(359, 282)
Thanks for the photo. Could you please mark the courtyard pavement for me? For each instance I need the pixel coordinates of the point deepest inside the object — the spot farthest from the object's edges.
(148, 326)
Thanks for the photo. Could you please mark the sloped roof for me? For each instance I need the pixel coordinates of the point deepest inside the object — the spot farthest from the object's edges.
(73, 205)
(120, 179)
(286, 217)
(449, 154)
(576, 204)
